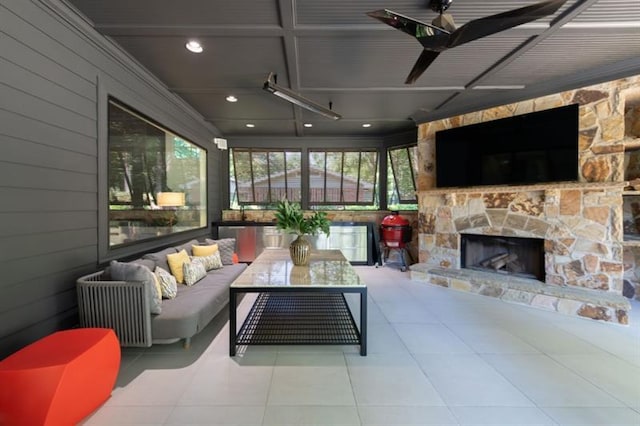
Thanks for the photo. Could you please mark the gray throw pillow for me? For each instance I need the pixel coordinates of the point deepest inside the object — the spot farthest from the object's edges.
(123, 271)
(226, 246)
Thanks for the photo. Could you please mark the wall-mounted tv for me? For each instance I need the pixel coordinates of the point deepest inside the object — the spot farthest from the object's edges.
(525, 149)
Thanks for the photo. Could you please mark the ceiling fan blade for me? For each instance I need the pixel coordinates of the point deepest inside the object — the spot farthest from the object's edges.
(488, 25)
(405, 24)
(423, 62)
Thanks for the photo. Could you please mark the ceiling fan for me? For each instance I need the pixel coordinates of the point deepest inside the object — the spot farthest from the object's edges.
(442, 33)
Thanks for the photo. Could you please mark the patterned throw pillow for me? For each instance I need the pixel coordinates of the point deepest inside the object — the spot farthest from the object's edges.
(176, 261)
(226, 247)
(209, 262)
(126, 271)
(193, 272)
(168, 283)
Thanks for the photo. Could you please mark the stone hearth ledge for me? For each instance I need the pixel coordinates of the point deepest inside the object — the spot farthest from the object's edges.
(525, 291)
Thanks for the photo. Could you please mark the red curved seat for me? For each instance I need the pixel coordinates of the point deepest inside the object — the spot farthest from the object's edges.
(59, 379)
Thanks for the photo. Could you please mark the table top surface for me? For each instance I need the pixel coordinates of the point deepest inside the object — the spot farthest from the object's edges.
(274, 268)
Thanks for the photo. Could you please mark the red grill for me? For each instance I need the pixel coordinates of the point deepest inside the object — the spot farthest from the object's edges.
(395, 233)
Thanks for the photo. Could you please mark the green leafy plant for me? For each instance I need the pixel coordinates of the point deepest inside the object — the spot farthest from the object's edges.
(290, 218)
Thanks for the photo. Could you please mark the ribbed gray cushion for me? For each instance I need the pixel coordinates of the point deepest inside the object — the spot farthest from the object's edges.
(160, 257)
(123, 271)
(226, 246)
(187, 246)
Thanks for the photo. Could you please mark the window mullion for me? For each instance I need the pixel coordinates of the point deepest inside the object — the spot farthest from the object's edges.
(268, 155)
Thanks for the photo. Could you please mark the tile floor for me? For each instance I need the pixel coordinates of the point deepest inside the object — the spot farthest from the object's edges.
(435, 357)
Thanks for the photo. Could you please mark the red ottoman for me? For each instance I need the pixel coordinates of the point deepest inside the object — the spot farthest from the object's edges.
(60, 379)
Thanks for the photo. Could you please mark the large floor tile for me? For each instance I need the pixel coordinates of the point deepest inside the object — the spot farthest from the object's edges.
(228, 381)
(617, 377)
(501, 416)
(406, 312)
(406, 416)
(129, 415)
(431, 339)
(491, 339)
(318, 379)
(307, 415)
(593, 416)
(383, 338)
(216, 415)
(383, 379)
(468, 380)
(549, 383)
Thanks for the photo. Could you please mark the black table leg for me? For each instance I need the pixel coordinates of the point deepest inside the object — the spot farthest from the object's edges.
(363, 322)
(232, 322)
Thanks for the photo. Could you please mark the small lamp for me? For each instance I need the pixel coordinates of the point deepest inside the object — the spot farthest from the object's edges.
(170, 199)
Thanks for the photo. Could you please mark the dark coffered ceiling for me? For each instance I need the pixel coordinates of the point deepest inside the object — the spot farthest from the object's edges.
(330, 51)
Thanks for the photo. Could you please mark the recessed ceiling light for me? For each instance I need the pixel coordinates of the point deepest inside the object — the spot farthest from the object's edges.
(308, 125)
(231, 98)
(194, 46)
(366, 125)
(250, 125)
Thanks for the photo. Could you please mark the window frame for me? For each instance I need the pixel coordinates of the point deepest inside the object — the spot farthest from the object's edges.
(391, 166)
(269, 199)
(343, 151)
(108, 89)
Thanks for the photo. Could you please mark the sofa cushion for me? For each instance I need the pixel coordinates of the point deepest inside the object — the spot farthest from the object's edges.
(126, 271)
(168, 283)
(187, 246)
(195, 306)
(160, 257)
(209, 262)
(193, 272)
(176, 260)
(226, 246)
(204, 250)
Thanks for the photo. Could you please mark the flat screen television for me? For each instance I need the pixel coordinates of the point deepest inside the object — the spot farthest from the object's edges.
(525, 149)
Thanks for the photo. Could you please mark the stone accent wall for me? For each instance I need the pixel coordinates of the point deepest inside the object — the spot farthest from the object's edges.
(581, 222)
(580, 225)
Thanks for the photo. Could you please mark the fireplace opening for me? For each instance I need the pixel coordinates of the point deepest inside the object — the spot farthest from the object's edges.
(518, 256)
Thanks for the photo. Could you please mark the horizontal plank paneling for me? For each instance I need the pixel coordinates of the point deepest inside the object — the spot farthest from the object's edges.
(46, 89)
(37, 154)
(40, 310)
(46, 178)
(27, 292)
(12, 99)
(33, 200)
(54, 69)
(28, 223)
(25, 269)
(36, 245)
(30, 128)
(32, 61)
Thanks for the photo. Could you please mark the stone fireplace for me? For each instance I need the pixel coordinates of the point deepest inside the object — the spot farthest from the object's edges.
(579, 224)
(517, 256)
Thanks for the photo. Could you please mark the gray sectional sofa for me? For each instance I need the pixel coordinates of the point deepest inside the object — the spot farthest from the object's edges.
(127, 305)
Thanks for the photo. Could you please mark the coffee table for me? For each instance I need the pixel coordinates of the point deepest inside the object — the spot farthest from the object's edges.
(298, 304)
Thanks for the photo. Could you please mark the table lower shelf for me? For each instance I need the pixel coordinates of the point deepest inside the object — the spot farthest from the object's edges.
(299, 318)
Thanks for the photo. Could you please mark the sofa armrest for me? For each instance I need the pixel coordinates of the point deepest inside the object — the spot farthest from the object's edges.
(120, 305)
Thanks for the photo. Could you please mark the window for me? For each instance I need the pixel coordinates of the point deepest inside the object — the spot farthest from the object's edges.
(346, 177)
(402, 171)
(157, 180)
(264, 176)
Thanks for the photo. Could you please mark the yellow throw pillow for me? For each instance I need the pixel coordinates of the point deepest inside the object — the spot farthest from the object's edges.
(175, 261)
(199, 251)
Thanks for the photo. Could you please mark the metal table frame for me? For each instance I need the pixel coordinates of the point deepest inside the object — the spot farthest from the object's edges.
(233, 304)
